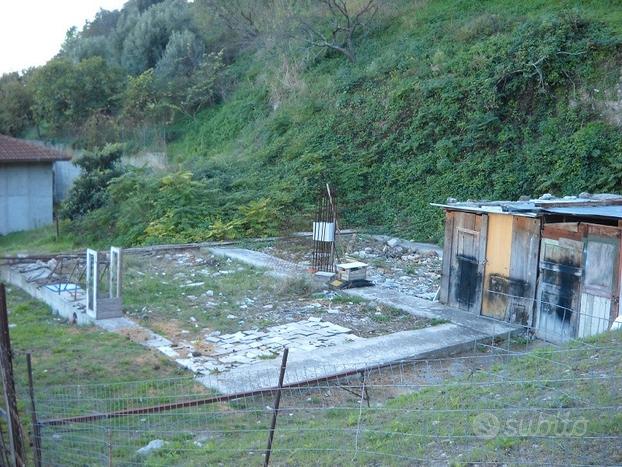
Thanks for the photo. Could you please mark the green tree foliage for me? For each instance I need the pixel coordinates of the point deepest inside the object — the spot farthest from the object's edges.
(146, 42)
(201, 88)
(140, 99)
(181, 57)
(89, 191)
(15, 104)
(66, 94)
(466, 103)
(445, 98)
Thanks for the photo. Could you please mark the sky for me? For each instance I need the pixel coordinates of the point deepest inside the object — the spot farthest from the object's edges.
(32, 31)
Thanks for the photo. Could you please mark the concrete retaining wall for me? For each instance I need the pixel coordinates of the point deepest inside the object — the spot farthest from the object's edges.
(58, 302)
(65, 172)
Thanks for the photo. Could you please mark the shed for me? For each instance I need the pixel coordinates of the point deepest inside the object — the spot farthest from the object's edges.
(26, 184)
(552, 265)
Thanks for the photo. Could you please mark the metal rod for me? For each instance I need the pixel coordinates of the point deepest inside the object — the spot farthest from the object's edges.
(109, 448)
(277, 403)
(15, 432)
(36, 430)
(210, 400)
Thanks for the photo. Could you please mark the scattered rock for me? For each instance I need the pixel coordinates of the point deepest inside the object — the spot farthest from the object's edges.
(152, 446)
(192, 284)
(393, 242)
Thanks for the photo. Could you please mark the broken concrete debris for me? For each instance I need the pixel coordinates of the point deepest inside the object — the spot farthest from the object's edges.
(152, 446)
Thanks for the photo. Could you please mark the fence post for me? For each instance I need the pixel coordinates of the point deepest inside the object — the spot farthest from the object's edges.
(275, 410)
(36, 429)
(6, 364)
(109, 448)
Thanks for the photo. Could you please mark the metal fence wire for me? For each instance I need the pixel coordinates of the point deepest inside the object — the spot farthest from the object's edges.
(493, 405)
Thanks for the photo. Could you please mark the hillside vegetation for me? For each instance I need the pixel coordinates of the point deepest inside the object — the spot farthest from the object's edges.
(445, 98)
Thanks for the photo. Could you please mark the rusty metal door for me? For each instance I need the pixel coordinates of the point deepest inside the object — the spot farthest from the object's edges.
(559, 288)
(598, 295)
(468, 261)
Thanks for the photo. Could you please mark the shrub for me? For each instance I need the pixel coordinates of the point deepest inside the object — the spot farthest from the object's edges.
(89, 190)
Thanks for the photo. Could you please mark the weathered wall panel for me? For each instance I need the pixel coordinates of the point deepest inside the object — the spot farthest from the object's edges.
(600, 282)
(560, 269)
(466, 261)
(524, 269)
(26, 192)
(447, 257)
(497, 268)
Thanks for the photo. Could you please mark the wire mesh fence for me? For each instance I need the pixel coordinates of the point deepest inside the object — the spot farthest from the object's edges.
(497, 404)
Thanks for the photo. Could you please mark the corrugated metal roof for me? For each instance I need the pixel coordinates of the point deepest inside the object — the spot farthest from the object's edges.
(606, 205)
(613, 212)
(511, 208)
(19, 150)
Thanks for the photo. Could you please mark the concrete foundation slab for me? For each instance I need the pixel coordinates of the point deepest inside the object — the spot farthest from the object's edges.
(434, 342)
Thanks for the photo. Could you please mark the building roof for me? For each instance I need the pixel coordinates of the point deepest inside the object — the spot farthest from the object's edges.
(586, 205)
(611, 212)
(19, 150)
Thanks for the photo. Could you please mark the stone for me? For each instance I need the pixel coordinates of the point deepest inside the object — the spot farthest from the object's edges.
(393, 242)
(209, 293)
(192, 284)
(231, 317)
(152, 446)
(196, 353)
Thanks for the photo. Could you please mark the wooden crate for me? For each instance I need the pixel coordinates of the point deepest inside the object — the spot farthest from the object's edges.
(352, 271)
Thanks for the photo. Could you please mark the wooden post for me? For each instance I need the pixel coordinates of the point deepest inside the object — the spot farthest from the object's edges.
(275, 411)
(57, 223)
(36, 429)
(6, 366)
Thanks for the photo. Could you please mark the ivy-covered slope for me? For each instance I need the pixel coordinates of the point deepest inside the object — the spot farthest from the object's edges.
(491, 99)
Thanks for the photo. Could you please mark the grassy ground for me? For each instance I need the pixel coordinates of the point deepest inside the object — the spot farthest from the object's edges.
(439, 411)
(41, 240)
(554, 405)
(63, 353)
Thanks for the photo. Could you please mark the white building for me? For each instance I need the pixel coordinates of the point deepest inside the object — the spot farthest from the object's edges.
(26, 184)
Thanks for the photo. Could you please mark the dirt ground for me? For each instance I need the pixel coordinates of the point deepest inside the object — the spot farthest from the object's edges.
(185, 294)
(395, 264)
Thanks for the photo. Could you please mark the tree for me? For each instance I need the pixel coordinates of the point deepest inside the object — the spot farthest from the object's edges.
(345, 22)
(66, 94)
(181, 57)
(146, 42)
(203, 85)
(141, 101)
(239, 16)
(15, 104)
